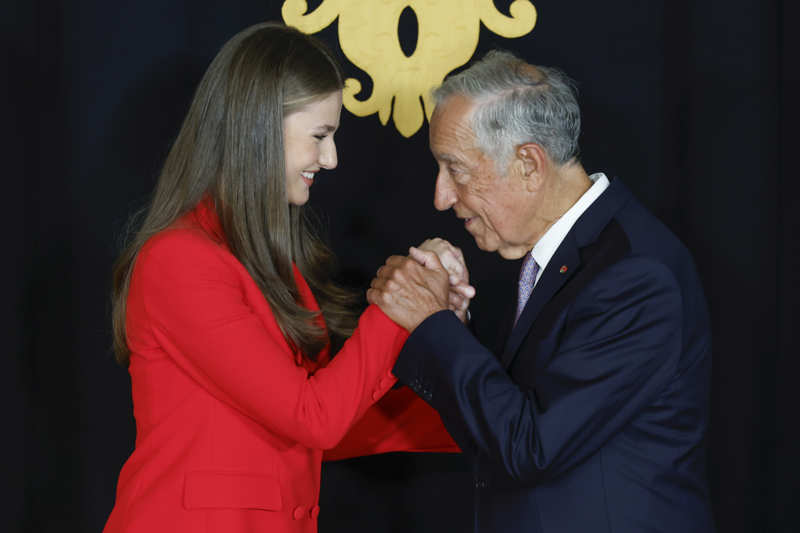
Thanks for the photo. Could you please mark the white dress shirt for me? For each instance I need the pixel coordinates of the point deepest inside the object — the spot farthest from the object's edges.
(551, 240)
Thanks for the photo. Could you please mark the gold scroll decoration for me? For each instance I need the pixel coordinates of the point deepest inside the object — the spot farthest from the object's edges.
(447, 38)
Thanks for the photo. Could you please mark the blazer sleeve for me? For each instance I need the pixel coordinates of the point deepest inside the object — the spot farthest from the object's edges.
(619, 347)
(399, 422)
(194, 297)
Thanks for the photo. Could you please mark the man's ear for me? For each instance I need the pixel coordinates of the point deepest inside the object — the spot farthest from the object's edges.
(532, 160)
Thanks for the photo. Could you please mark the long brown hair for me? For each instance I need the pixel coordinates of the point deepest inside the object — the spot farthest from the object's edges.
(230, 147)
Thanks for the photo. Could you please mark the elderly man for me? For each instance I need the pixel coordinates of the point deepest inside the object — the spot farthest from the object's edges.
(594, 416)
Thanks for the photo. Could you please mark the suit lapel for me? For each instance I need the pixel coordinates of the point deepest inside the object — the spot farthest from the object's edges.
(552, 279)
(502, 339)
(555, 276)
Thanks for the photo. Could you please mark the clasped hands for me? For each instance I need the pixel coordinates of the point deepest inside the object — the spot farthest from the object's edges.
(432, 278)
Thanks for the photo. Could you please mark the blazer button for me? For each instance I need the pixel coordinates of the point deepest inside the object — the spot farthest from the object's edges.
(314, 512)
(384, 384)
(299, 512)
(376, 395)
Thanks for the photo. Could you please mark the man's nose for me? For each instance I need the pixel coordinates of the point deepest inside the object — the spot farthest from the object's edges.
(444, 196)
(327, 155)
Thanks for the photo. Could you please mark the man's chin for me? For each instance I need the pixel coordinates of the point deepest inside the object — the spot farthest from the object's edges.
(512, 253)
(506, 252)
(484, 246)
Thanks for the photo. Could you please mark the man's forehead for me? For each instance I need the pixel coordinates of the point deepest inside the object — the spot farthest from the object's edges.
(455, 108)
(451, 128)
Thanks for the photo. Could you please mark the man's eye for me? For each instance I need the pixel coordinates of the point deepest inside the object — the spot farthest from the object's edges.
(319, 137)
(459, 175)
(457, 172)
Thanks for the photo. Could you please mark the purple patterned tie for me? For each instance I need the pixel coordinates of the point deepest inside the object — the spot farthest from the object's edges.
(527, 276)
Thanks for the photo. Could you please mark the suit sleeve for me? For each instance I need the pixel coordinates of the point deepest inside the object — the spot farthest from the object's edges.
(194, 298)
(619, 347)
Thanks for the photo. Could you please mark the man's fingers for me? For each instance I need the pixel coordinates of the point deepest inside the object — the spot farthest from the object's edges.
(452, 263)
(467, 291)
(427, 259)
(451, 258)
(417, 255)
(456, 301)
(409, 292)
(438, 245)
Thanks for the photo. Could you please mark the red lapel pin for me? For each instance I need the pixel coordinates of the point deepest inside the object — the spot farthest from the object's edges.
(563, 268)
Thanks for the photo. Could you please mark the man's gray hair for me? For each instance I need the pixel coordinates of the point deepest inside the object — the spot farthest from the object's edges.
(518, 103)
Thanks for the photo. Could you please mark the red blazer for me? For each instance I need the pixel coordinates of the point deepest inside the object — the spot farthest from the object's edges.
(230, 425)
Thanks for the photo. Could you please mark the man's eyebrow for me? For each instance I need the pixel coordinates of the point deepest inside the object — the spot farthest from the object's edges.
(446, 158)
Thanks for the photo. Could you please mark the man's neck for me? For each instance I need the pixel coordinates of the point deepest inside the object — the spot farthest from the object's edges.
(568, 183)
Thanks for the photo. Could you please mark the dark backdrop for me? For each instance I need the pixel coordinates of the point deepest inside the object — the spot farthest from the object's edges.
(691, 103)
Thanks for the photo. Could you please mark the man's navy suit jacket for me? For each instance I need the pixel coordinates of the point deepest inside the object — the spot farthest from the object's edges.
(594, 416)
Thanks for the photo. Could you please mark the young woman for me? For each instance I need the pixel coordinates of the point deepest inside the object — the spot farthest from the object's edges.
(224, 311)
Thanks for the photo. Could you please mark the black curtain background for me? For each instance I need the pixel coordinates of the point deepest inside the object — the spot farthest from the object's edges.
(692, 103)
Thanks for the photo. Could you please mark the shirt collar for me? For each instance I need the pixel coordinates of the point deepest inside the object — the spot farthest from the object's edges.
(546, 247)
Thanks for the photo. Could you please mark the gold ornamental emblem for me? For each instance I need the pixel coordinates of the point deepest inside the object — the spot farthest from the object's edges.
(448, 32)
